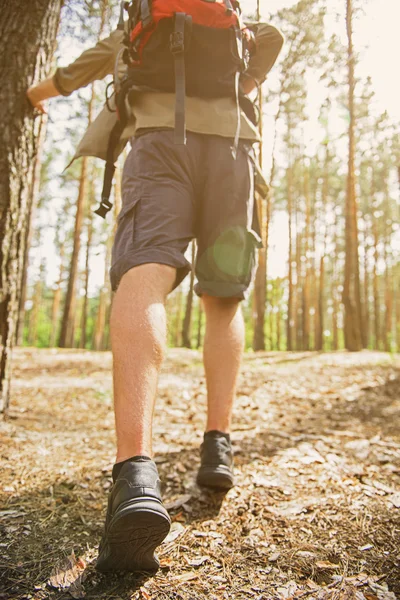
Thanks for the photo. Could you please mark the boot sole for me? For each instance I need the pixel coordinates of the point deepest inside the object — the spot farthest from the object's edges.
(135, 531)
(216, 478)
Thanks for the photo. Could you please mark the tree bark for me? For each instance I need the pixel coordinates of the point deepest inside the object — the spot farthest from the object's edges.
(28, 33)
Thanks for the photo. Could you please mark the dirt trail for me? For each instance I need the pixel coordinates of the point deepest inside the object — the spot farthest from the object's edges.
(315, 514)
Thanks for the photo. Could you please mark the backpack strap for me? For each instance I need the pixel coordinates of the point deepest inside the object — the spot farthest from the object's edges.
(238, 116)
(177, 47)
(145, 13)
(229, 7)
(115, 136)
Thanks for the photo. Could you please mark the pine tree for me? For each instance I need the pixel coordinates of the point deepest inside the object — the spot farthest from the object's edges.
(351, 286)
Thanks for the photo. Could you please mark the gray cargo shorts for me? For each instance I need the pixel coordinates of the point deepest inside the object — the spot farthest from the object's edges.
(172, 194)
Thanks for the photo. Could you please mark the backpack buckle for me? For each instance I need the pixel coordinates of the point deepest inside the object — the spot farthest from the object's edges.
(104, 208)
(177, 42)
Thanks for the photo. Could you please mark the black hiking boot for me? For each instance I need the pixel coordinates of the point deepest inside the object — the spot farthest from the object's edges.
(216, 461)
(136, 521)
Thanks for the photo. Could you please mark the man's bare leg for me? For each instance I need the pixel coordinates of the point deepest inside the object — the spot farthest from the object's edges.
(223, 349)
(136, 520)
(138, 337)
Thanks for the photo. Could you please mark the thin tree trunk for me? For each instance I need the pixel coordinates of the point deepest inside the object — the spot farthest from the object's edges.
(28, 33)
(33, 202)
(34, 312)
(199, 325)
(278, 318)
(187, 320)
(260, 282)
(351, 287)
(67, 324)
(334, 283)
(306, 286)
(178, 318)
(82, 343)
(89, 228)
(57, 300)
(289, 326)
(375, 283)
(297, 312)
(367, 317)
(99, 332)
(320, 309)
(388, 274)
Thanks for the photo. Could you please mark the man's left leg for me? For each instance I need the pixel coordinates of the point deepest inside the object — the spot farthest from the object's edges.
(228, 236)
(223, 349)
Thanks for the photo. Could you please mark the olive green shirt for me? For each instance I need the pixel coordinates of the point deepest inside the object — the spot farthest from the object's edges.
(216, 116)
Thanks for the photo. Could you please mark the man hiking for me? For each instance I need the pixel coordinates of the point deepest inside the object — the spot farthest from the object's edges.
(189, 174)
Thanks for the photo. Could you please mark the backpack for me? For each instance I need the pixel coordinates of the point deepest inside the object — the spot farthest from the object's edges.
(190, 47)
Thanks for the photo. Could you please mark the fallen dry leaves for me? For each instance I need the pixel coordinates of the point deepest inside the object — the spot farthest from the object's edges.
(315, 514)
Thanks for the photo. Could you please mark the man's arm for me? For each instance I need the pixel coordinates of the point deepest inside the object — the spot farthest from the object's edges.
(269, 41)
(95, 63)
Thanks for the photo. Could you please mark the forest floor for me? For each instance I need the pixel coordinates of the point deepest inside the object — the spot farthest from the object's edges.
(315, 513)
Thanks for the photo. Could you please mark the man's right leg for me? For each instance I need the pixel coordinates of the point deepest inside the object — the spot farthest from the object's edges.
(138, 337)
(136, 521)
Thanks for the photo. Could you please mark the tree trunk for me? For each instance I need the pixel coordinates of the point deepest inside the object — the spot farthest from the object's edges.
(37, 301)
(89, 227)
(260, 282)
(278, 318)
(298, 308)
(320, 308)
(98, 337)
(33, 201)
(176, 338)
(57, 300)
(82, 342)
(335, 303)
(289, 327)
(306, 286)
(67, 324)
(388, 273)
(199, 325)
(28, 33)
(367, 317)
(351, 287)
(375, 283)
(187, 320)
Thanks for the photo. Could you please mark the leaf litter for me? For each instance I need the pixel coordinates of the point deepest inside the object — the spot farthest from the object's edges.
(315, 513)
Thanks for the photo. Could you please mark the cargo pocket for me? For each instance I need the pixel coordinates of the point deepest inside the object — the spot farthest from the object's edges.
(232, 256)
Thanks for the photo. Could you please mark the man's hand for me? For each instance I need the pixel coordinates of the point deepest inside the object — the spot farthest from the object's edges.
(36, 100)
(38, 94)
